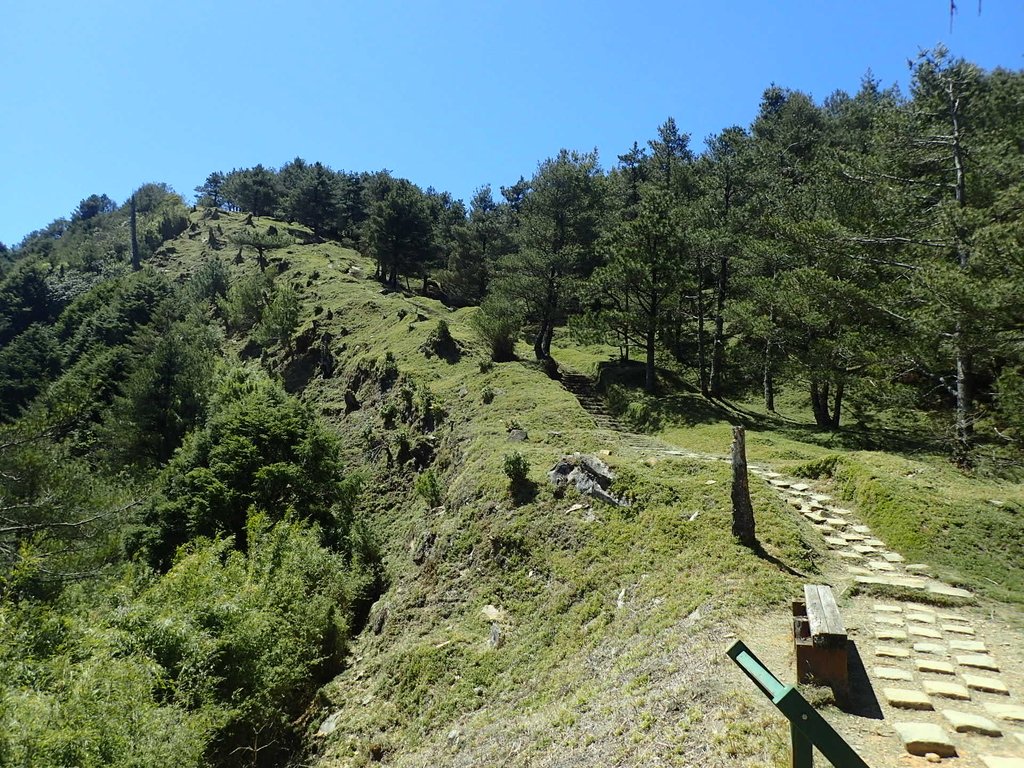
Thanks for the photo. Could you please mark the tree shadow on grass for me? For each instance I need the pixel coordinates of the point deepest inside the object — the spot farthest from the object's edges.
(767, 556)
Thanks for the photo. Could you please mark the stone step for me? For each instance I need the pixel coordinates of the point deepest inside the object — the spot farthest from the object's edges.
(924, 738)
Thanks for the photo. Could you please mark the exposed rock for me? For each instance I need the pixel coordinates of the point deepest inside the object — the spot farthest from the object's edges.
(379, 619)
(330, 725)
(930, 648)
(518, 436)
(588, 474)
(422, 547)
(497, 638)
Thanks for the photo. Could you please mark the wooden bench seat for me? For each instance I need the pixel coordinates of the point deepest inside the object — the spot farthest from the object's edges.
(820, 641)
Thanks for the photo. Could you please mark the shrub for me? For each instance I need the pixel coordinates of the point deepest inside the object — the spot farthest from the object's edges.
(429, 488)
(497, 324)
(516, 469)
(487, 394)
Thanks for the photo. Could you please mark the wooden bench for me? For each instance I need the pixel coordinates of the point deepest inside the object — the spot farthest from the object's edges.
(820, 640)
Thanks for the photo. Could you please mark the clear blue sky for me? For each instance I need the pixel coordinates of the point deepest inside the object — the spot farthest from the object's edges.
(101, 96)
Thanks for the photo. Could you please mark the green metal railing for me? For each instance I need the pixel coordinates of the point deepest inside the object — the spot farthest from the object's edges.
(807, 728)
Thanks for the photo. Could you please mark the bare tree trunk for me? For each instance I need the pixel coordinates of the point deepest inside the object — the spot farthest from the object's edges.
(718, 343)
(650, 382)
(837, 406)
(742, 509)
(964, 397)
(702, 361)
(769, 380)
(136, 261)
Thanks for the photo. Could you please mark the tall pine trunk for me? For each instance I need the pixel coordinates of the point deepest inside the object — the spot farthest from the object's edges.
(702, 362)
(718, 343)
(136, 261)
(964, 396)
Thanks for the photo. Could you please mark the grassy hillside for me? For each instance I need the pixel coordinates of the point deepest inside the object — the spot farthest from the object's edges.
(540, 628)
(529, 626)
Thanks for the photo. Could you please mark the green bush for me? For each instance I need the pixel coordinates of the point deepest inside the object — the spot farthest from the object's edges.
(429, 488)
(516, 469)
(211, 664)
(487, 394)
(259, 450)
(497, 324)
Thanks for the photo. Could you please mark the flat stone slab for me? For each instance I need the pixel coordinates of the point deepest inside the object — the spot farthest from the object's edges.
(891, 634)
(861, 529)
(852, 536)
(850, 555)
(883, 608)
(893, 557)
(800, 487)
(995, 761)
(836, 522)
(930, 648)
(986, 684)
(964, 722)
(946, 690)
(977, 661)
(976, 646)
(815, 517)
(953, 617)
(882, 565)
(863, 549)
(856, 570)
(875, 542)
(821, 497)
(958, 629)
(917, 631)
(779, 483)
(907, 699)
(924, 618)
(891, 652)
(917, 568)
(889, 619)
(795, 501)
(936, 667)
(947, 591)
(922, 738)
(907, 582)
(1011, 712)
(892, 673)
(841, 511)
(835, 541)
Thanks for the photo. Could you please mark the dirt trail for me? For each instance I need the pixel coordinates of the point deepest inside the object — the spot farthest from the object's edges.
(926, 678)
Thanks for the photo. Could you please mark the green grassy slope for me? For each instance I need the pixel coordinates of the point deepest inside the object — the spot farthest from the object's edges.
(610, 623)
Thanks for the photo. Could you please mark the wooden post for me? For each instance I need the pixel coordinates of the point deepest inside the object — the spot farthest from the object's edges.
(742, 509)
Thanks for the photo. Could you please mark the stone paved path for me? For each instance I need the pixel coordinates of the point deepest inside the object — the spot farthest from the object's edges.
(940, 683)
(940, 686)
